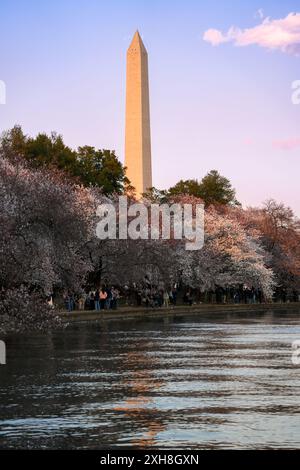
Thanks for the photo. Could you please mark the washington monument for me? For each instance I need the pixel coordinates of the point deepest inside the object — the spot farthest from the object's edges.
(137, 128)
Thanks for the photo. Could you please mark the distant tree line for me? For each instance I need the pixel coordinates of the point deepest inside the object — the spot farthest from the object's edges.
(93, 167)
(212, 189)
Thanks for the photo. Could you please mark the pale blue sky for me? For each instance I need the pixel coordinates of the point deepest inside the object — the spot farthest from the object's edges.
(211, 107)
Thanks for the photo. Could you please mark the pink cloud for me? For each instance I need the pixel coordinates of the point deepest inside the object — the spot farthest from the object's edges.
(215, 37)
(282, 34)
(248, 142)
(288, 144)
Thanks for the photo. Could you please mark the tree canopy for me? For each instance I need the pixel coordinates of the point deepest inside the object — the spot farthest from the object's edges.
(90, 166)
(213, 189)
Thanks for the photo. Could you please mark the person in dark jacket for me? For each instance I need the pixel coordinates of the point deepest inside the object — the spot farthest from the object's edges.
(97, 300)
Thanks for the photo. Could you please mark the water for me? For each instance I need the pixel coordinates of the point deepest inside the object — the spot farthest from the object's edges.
(219, 381)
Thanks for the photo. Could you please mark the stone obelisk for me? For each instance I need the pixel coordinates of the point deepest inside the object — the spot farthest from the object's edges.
(137, 128)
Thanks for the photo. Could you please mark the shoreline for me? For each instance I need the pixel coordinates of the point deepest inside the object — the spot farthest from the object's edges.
(129, 313)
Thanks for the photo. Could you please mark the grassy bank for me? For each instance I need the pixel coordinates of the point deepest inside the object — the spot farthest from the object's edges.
(128, 313)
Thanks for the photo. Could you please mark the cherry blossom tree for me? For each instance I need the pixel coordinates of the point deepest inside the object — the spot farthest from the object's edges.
(230, 257)
(45, 223)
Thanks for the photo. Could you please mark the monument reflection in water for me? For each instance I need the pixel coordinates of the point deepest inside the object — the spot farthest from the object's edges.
(225, 381)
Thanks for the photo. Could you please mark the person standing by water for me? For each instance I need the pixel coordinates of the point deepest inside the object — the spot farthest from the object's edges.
(97, 300)
(103, 297)
(166, 298)
(174, 294)
(69, 300)
(114, 298)
(108, 298)
(81, 301)
(92, 301)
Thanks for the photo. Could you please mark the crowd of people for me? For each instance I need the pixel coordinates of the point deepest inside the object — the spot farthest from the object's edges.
(151, 296)
(146, 294)
(103, 298)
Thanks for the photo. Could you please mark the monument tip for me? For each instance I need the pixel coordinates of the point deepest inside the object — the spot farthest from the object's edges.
(137, 42)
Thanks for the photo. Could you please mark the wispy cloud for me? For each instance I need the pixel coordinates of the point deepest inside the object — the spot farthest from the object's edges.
(282, 34)
(288, 144)
(259, 14)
